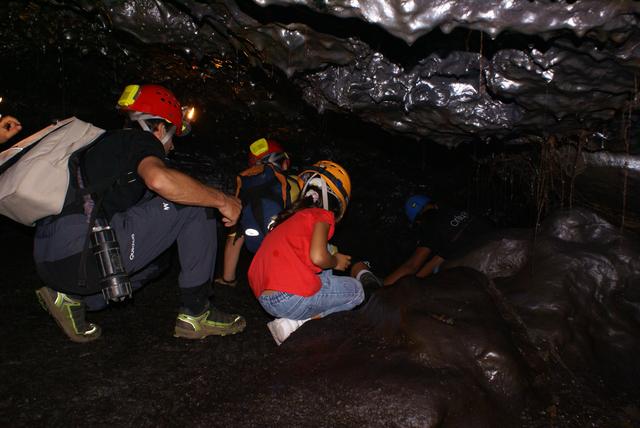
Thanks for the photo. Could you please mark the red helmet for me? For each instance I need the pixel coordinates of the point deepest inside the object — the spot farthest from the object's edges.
(263, 150)
(155, 101)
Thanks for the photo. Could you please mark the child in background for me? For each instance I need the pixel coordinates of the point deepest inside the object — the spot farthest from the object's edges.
(291, 273)
(265, 189)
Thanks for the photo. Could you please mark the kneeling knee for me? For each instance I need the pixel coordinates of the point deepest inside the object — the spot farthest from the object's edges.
(360, 296)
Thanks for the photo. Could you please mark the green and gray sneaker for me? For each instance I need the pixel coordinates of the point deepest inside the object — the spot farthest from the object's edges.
(211, 322)
(69, 314)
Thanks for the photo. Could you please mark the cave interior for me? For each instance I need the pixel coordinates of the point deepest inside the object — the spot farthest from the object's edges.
(524, 112)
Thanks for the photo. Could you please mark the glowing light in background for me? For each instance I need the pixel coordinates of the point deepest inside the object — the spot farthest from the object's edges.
(191, 114)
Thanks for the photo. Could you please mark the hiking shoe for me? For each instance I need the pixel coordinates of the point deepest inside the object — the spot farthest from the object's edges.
(69, 314)
(368, 279)
(211, 322)
(281, 328)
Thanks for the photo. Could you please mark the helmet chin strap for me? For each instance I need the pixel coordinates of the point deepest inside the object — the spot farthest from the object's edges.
(319, 181)
(142, 118)
(168, 135)
(325, 196)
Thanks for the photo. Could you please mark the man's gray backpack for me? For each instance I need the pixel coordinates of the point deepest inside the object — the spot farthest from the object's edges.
(34, 173)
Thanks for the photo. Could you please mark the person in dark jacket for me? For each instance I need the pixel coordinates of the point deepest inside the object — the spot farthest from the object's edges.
(442, 233)
(150, 207)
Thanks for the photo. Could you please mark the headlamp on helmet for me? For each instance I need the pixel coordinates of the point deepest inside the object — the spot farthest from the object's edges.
(188, 117)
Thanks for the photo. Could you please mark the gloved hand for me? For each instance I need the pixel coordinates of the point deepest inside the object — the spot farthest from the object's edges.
(222, 281)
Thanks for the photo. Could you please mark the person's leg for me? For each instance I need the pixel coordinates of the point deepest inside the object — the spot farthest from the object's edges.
(144, 232)
(232, 248)
(61, 239)
(69, 314)
(370, 282)
(193, 322)
(286, 308)
(97, 302)
(284, 305)
(148, 229)
(362, 272)
(337, 293)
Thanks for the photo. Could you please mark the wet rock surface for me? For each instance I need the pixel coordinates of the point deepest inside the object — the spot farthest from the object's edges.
(439, 348)
(573, 287)
(454, 71)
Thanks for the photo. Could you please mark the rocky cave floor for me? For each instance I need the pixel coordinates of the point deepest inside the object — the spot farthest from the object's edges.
(137, 374)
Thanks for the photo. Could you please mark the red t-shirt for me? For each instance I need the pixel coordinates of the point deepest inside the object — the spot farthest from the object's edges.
(282, 262)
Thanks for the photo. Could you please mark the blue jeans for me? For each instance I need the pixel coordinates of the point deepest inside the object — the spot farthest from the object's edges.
(337, 293)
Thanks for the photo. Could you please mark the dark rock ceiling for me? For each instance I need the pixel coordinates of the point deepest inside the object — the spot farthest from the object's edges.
(447, 71)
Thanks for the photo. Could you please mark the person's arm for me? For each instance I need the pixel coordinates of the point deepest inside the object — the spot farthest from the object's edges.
(319, 254)
(410, 266)
(178, 187)
(9, 126)
(430, 267)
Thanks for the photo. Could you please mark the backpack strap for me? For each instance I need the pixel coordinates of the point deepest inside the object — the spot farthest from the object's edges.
(252, 195)
(92, 198)
(293, 191)
(92, 208)
(285, 185)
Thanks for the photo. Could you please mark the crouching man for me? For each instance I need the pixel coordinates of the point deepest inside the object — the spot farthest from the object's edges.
(149, 206)
(442, 233)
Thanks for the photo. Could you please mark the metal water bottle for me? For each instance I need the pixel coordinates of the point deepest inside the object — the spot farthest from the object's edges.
(113, 280)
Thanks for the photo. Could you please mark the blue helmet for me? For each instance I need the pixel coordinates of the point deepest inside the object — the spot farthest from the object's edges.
(414, 205)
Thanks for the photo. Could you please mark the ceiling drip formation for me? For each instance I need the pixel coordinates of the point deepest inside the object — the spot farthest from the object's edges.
(452, 72)
(542, 75)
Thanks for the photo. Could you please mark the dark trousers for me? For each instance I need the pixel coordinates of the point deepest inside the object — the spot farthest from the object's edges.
(144, 232)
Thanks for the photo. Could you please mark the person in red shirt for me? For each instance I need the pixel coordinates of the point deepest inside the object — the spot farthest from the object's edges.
(291, 273)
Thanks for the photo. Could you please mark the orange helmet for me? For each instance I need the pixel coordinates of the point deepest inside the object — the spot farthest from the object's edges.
(144, 102)
(332, 179)
(266, 151)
